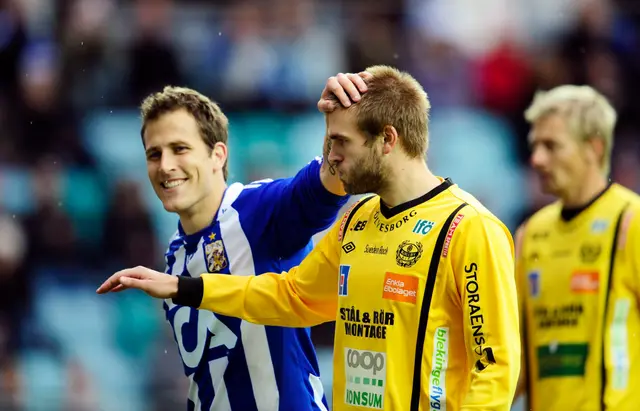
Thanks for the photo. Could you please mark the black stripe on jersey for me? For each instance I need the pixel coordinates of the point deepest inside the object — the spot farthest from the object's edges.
(426, 305)
(614, 249)
(352, 213)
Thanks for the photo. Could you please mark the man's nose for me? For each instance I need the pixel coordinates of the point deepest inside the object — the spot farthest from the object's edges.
(538, 158)
(167, 163)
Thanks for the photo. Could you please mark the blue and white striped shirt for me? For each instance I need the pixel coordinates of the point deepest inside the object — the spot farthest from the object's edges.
(232, 364)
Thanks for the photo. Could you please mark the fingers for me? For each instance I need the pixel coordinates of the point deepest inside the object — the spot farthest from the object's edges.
(326, 105)
(365, 75)
(359, 80)
(130, 282)
(347, 88)
(119, 288)
(113, 281)
(335, 87)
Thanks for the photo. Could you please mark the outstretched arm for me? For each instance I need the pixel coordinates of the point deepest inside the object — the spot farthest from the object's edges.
(304, 296)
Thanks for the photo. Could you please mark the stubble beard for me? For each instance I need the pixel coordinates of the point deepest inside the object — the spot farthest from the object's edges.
(368, 175)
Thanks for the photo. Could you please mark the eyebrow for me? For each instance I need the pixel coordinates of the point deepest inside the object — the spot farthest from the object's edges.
(337, 136)
(172, 144)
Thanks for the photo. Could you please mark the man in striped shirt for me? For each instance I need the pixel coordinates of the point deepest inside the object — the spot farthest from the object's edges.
(260, 227)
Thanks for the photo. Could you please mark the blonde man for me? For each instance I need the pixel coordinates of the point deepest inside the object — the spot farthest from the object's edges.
(578, 263)
(419, 277)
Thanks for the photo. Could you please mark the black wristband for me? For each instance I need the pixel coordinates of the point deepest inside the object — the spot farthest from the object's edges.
(190, 291)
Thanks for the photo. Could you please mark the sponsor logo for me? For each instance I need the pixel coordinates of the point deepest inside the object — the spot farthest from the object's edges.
(376, 249)
(216, 259)
(599, 226)
(437, 377)
(349, 247)
(534, 283)
(562, 360)
(585, 282)
(624, 230)
(561, 254)
(541, 235)
(344, 280)
(452, 229)
(343, 222)
(620, 344)
(366, 324)
(408, 253)
(359, 226)
(366, 373)
(402, 288)
(560, 316)
(388, 227)
(476, 317)
(423, 227)
(589, 253)
(485, 359)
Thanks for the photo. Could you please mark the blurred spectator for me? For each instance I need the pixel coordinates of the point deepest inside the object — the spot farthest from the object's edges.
(153, 61)
(14, 304)
(128, 232)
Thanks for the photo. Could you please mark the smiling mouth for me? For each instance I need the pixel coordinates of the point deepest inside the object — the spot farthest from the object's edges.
(168, 184)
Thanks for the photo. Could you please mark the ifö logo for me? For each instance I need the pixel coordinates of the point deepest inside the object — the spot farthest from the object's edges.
(423, 227)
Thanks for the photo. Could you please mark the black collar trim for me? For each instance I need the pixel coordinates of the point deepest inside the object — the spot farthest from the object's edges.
(390, 212)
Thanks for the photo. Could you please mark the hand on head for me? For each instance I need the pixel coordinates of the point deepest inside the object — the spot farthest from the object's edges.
(347, 88)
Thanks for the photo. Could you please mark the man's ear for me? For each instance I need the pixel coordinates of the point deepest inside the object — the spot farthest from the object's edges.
(389, 138)
(219, 155)
(598, 148)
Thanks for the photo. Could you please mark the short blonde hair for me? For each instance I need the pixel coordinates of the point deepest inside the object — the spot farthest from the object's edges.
(396, 99)
(587, 112)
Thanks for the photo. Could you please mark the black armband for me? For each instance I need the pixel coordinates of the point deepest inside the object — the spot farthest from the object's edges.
(190, 291)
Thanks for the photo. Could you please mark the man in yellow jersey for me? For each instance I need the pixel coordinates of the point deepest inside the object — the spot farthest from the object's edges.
(578, 263)
(420, 277)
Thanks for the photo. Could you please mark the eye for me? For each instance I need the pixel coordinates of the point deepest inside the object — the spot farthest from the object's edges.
(153, 156)
(181, 149)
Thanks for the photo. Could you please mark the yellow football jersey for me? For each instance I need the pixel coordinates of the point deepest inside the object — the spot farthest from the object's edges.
(424, 300)
(579, 282)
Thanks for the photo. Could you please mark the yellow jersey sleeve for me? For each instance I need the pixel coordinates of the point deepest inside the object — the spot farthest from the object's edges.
(306, 295)
(483, 266)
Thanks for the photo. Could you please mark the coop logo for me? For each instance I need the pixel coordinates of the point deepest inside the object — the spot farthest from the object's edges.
(366, 373)
(343, 286)
(423, 227)
(437, 377)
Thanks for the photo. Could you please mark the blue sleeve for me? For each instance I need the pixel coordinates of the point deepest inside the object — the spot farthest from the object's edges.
(294, 209)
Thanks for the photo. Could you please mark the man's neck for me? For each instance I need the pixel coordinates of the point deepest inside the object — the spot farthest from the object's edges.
(200, 215)
(409, 180)
(586, 192)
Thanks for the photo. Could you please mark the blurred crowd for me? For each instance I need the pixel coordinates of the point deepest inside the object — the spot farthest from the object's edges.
(74, 204)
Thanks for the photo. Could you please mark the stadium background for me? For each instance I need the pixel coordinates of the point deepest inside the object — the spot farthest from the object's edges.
(74, 201)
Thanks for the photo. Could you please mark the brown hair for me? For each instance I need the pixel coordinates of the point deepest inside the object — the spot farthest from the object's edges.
(395, 98)
(213, 124)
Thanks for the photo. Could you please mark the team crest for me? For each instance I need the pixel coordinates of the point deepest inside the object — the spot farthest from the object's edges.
(216, 259)
(590, 252)
(408, 253)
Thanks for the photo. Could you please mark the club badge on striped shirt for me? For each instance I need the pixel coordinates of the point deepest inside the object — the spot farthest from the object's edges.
(216, 259)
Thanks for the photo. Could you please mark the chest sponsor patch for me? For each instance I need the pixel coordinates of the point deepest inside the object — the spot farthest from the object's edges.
(562, 360)
(366, 374)
(402, 288)
(585, 282)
